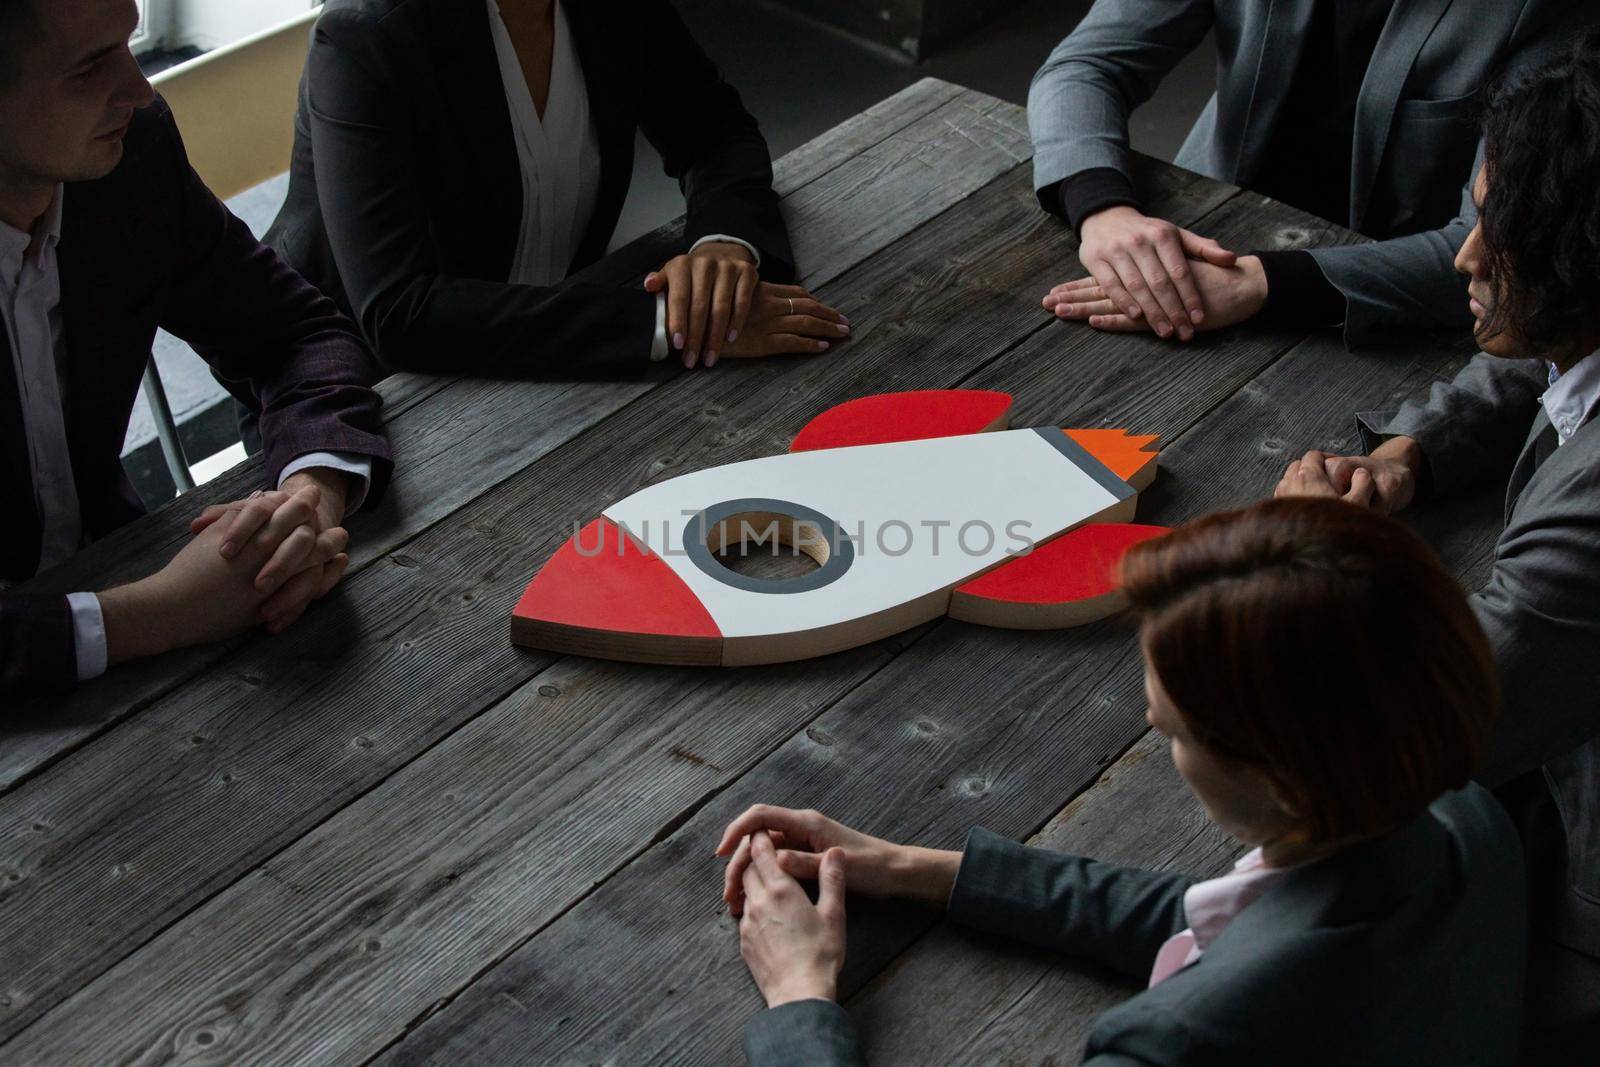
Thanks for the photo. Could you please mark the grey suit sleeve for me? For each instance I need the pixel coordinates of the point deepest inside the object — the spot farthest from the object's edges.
(1081, 98)
(1541, 610)
(805, 1033)
(1472, 428)
(1408, 282)
(1118, 917)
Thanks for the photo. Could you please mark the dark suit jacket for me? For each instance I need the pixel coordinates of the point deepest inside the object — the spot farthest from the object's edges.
(1405, 950)
(148, 246)
(1415, 130)
(405, 195)
(1540, 608)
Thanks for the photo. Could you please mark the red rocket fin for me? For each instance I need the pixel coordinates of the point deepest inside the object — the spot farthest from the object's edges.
(913, 416)
(1068, 581)
(1127, 455)
(605, 594)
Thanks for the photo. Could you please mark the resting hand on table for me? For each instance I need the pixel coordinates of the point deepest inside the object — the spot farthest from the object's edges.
(794, 948)
(709, 295)
(1385, 481)
(197, 597)
(1145, 268)
(717, 305)
(297, 530)
(875, 867)
(1231, 294)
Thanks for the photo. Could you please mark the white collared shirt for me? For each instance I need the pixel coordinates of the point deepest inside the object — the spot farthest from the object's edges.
(30, 305)
(559, 156)
(1573, 397)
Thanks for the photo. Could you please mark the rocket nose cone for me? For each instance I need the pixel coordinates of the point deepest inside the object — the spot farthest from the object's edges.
(605, 594)
(1128, 456)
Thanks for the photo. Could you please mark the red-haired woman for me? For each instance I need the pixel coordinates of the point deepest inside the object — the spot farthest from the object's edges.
(1378, 917)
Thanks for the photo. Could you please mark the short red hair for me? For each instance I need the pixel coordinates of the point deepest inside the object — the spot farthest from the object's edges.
(1325, 646)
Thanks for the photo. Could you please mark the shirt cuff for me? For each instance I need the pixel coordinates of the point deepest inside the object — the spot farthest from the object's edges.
(752, 249)
(659, 347)
(1094, 190)
(88, 634)
(1298, 293)
(358, 467)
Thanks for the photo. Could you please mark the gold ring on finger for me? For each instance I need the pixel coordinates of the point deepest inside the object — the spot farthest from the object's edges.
(791, 305)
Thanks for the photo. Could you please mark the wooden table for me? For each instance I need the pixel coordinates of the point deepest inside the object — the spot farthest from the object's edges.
(389, 836)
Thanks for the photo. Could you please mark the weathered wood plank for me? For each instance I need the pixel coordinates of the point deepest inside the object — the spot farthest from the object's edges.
(901, 756)
(433, 478)
(275, 759)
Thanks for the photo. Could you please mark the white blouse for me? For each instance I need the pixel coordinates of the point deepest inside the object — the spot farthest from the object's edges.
(559, 156)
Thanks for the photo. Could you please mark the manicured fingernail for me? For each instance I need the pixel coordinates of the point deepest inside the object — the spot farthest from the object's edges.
(845, 319)
(1164, 330)
(1063, 309)
(733, 335)
(677, 340)
(711, 359)
(843, 328)
(688, 359)
(1197, 317)
(822, 346)
(1135, 312)
(229, 549)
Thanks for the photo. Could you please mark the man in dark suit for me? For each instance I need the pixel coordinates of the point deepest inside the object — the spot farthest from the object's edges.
(106, 233)
(1359, 111)
(1522, 413)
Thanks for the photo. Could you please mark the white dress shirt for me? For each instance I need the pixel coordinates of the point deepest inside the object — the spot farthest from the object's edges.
(30, 304)
(559, 156)
(1573, 397)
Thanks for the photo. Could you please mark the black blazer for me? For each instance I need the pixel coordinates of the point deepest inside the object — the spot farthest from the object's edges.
(405, 193)
(148, 246)
(1405, 950)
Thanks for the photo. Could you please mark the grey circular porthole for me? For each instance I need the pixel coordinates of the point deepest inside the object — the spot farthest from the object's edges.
(758, 520)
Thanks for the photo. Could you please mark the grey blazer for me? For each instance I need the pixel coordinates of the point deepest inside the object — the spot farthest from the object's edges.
(1541, 606)
(1416, 121)
(1404, 950)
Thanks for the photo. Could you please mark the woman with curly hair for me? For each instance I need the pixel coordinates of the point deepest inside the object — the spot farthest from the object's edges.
(1378, 916)
(1522, 413)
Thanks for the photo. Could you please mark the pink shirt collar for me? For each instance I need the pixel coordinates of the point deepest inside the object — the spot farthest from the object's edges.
(1210, 906)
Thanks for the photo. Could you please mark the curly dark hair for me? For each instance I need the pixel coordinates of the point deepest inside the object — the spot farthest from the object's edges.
(1541, 214)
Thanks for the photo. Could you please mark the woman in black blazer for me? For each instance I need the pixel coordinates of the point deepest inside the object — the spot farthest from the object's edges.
(455, 160)
(1326, 692)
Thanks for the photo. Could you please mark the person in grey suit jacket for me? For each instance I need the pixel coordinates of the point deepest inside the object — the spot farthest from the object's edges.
(1379, 917)
(1523, 412)
(1360, 111)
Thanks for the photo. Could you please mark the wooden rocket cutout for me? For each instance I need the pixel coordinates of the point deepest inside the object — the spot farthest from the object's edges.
(913, 506)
